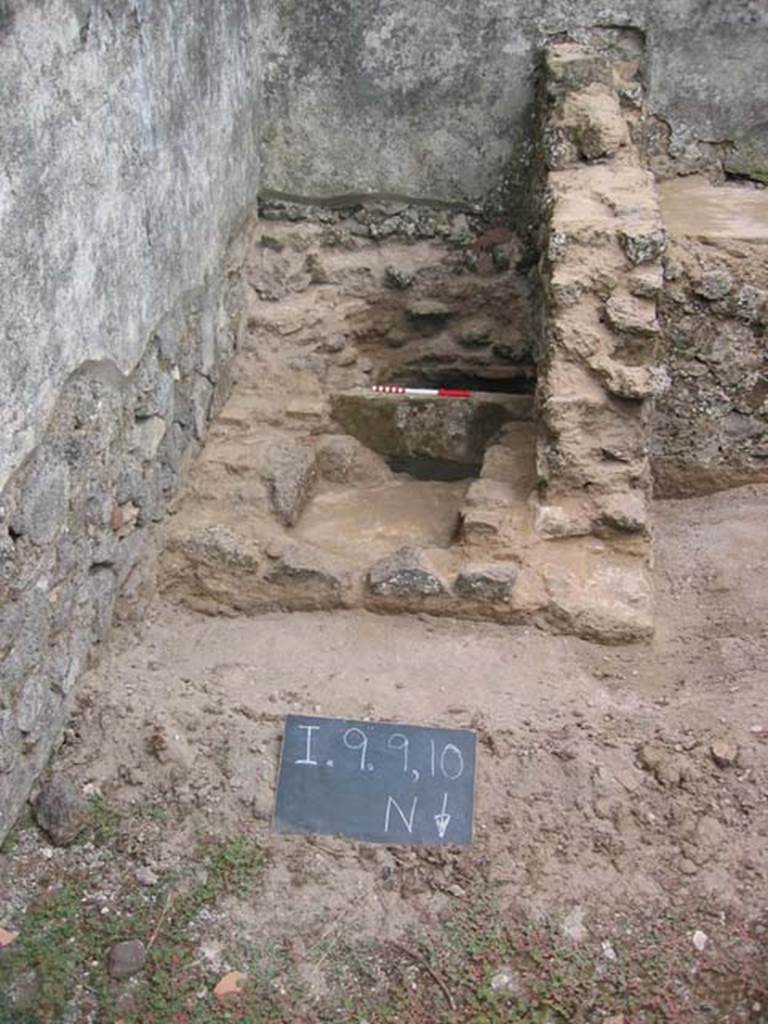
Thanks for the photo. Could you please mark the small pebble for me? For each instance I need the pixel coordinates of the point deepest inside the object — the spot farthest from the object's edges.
(127, 958)
(724, 753)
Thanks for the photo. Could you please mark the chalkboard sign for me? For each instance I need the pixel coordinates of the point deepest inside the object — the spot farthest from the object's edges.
(382, 783)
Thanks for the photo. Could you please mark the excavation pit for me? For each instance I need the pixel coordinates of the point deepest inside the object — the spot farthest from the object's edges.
(526, 502)
(316, 491)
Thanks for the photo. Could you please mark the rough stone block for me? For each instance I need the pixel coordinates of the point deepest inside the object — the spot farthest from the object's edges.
(200, 396)
(147, 435)
(290, 471)
(454, 429)
(492, 583)
(26, 627)
(594, 116)
(43, 499)
(397, 278)
(403, 574)
(611, 602)
(172, 451)
(153, 387)
(60, 810)
(9, 747)
(216, 546)
(714, 285)
(30, 701)
(342, 459)
(628, 511)
(99, 592)
(632, 315)
(646, 281)
(302, 578)
(643, 246)
(148, 495)
(752, 304)
(482, 522)
(65, 663)
(127, 958)
(631, 382)
(572, 518)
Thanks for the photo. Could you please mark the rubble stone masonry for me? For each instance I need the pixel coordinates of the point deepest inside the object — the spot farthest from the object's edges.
(602, 243)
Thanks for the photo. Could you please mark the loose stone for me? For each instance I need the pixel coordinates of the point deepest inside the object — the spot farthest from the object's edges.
(127, 958)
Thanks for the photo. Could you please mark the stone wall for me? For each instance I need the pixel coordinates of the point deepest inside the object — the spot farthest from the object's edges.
(130, 155)
(130, 162)
(75, 549)
(711, 426)
(434, 97)
(602, 242)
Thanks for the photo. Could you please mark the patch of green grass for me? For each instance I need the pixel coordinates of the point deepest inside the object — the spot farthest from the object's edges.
(444, 975)
(174, 977)
(105, 820)
(233, 864)
(64, 938)
(48, 945)
(154, 812)
(441, 975)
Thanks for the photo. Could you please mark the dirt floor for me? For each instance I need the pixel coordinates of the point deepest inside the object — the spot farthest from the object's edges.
(619, 871)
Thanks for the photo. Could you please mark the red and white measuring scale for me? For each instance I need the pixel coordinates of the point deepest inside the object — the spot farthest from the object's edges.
(398, 389)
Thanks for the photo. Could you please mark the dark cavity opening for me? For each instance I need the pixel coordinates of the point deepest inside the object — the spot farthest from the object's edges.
(426, 467)
(423, 378)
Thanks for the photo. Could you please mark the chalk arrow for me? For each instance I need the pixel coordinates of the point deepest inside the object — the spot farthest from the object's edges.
(443, 820)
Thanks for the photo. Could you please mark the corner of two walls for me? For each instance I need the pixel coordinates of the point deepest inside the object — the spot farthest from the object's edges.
(131, 189)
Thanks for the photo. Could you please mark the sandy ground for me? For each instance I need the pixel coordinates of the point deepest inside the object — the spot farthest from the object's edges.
(598, 793)
(692, 206)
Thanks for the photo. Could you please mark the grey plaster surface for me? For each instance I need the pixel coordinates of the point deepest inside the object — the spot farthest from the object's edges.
(431, 98)
(129, 154)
